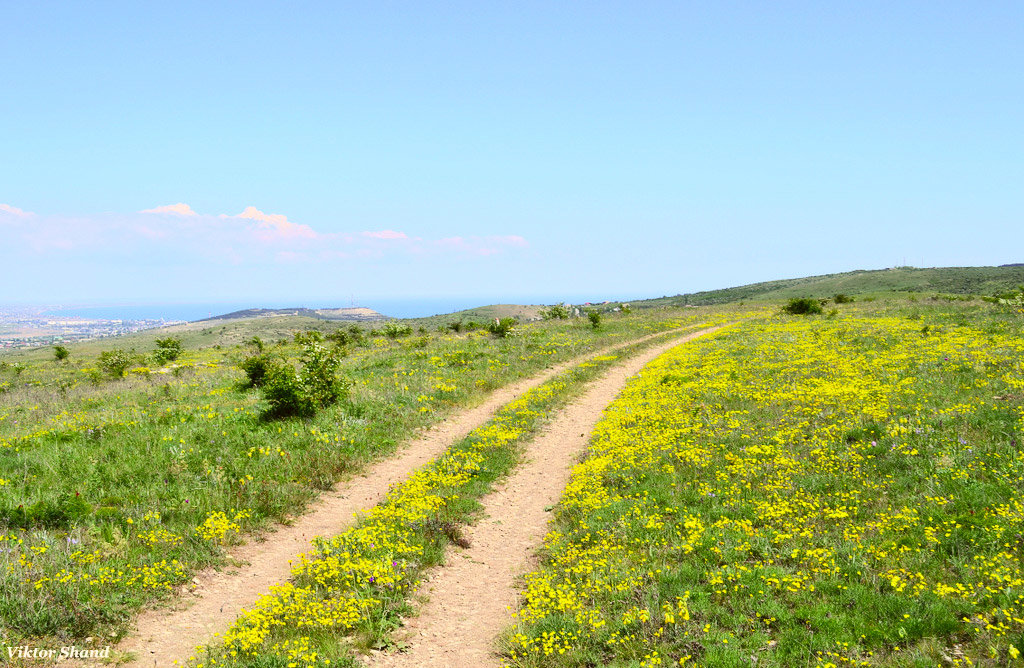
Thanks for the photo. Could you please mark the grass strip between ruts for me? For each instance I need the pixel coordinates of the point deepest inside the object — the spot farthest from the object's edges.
(352, 589)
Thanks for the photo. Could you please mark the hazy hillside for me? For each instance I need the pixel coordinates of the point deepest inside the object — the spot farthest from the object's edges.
(350, 314)
(951, 280)
(481, 314)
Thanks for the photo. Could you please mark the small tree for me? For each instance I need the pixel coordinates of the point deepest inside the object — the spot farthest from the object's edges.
(595, 318)
(60, 353)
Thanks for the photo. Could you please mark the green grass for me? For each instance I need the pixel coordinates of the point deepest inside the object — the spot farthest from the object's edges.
(107, 485)
(371, 569)
(804, 490)
(934, 281)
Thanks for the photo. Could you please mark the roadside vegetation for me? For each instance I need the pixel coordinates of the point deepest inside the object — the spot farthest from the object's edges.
(799, 491)
(351, 591)
(123, 472)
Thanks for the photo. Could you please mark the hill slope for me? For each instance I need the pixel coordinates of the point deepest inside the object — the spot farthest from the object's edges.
(352, 314)
(952, 280)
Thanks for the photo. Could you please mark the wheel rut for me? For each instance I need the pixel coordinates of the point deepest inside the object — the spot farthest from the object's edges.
(471, 597)
(169, 636)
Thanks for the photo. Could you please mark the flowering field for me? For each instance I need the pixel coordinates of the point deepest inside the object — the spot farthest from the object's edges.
(114, 491)
(798, 492)
(351, 591)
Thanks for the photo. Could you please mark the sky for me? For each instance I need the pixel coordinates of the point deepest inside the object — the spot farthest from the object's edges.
(277, 152)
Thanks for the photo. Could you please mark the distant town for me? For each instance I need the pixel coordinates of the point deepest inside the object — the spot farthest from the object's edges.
(30, 327)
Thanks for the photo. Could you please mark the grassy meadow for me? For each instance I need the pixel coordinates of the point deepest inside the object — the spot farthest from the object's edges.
(799, 491)
(351, 591)
(113, 491)
(795, 490)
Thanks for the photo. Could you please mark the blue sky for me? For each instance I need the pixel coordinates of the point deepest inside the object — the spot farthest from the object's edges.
(499, 150)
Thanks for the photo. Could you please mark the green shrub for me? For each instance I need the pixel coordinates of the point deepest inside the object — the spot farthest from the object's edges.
(60, 353)
(841, 298)
(556, 312)
(393, 330)
(355, 333)
(302, 393)
(802, 306)
(502, 327)
(595, 318)
(257, 343)
(309, 336)
(256, 369)
(319, 377)
(456, 326)
(167, 350)
(116, 362)
(283, 391)
(339, 338)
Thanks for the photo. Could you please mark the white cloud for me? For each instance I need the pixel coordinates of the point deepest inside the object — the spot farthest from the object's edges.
(175, 231)
(386, 234)
(275, 226)
(15, 211)
(180, 209)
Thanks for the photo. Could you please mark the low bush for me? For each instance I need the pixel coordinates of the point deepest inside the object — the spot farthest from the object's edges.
(116, 362)
(167, 350)
(256, 369)
(302, 393)
(556, 312)
(393, 330)
(803, 306)
(501, 327)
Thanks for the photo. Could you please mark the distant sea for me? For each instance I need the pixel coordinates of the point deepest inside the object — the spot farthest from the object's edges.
(395, 308)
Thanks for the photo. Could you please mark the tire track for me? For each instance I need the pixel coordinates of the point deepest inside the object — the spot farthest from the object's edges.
(471, 596)
(167, 637)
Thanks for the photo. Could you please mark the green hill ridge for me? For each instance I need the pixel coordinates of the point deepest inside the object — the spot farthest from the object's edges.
(945, 280)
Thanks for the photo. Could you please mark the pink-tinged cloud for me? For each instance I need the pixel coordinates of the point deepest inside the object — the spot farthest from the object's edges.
(15, 211)
(274, 226)
(385, 234)
(180, 209)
